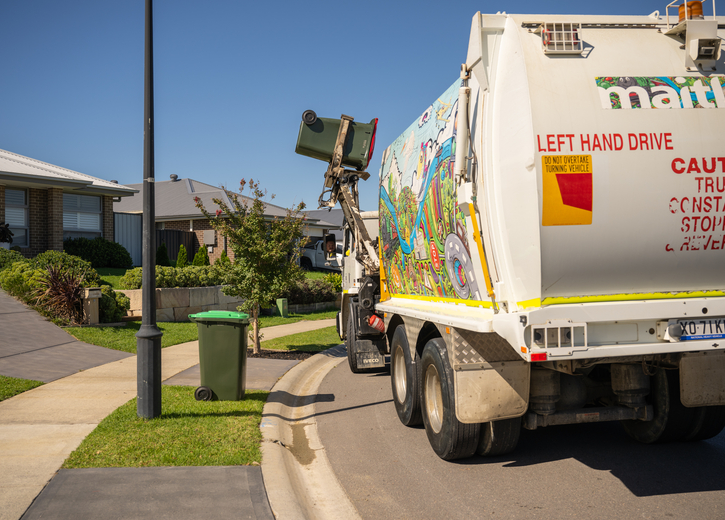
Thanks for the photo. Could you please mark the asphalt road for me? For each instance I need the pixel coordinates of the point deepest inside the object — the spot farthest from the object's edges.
(587, 471)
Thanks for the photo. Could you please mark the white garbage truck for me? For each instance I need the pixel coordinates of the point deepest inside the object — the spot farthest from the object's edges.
(552, 234)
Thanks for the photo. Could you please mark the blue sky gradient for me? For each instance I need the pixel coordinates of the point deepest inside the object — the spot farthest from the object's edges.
(232, 79)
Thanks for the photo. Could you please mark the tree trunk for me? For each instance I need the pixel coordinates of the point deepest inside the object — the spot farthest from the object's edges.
(255, 329)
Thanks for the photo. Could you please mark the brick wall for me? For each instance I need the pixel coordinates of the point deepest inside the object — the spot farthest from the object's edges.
(107, 218)
(2, 203)
(199, 226)
(54, 223)
(38, 221)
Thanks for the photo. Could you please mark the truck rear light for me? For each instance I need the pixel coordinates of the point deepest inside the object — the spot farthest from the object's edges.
(538, 357)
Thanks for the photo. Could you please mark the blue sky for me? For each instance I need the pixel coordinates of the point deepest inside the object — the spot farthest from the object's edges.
(232, 79)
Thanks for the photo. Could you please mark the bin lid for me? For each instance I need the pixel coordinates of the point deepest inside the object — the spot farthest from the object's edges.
(219, 316)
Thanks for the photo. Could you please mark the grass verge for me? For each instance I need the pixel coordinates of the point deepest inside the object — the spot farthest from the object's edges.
(312, 341)
(188, 433)
(11, 386)
(270, 321)
(124, 338)
(111, 275)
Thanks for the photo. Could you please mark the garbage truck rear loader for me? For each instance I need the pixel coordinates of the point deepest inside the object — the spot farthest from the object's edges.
(552, 235)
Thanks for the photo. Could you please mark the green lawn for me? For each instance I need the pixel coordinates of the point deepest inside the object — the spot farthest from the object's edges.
(124, 338)
(188, 433)
(312, 341)
(270, 321)
(10, 386)
(316, 275)
(111, 275)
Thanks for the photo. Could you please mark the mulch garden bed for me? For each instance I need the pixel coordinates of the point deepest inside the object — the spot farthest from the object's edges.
(280, 354)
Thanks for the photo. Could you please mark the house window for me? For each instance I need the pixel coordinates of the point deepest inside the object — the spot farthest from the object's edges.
(16, 214)
(81, 216)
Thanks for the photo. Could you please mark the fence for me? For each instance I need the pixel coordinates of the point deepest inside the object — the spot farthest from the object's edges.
(129, 233)
(174, 238)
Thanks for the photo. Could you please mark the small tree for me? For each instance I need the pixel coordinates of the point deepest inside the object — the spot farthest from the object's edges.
(162, 255)
(223, 258)
(181, 260)
(201, 257)
(265, 251)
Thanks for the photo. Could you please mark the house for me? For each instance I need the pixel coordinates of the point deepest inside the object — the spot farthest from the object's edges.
(176, 210)
(333, 218)
(44, 204)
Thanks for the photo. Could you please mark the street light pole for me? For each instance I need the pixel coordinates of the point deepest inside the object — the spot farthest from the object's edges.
(148, 338)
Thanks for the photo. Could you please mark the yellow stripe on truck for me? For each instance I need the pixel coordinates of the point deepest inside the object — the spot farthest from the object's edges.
(632, 297)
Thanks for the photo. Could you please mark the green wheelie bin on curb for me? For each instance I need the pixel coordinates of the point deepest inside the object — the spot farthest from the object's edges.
(222, 354)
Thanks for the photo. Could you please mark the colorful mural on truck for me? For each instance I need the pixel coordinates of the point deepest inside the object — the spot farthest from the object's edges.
(425, 251)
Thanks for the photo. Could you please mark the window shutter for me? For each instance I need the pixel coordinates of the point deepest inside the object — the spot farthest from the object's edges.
(90, 221)
(15, 217)
(15, 197)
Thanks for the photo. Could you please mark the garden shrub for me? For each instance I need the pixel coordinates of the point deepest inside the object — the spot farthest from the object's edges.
(22, 280)
(61, 294)
(132, 279)
(99, 252)
(73, 264)
(113, 305)
(336, 280)
(201, 257)
(162, 255)
(9, 257)
(167, 277)
(223, 259)
(182, 258)
(53, 283)
(310, 291)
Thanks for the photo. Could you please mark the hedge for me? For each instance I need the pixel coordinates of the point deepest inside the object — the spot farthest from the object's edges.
(99, 252)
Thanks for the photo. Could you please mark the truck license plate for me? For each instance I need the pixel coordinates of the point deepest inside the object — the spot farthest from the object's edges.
(711, 328)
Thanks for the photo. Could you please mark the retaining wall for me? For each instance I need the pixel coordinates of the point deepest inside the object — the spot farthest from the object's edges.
(176, 304)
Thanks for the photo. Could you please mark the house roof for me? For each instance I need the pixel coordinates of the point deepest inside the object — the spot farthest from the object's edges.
(175, 200)
(18, 170)
(331, 219)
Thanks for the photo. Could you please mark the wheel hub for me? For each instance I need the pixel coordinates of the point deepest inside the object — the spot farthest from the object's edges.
(433, 398)
(400, 375)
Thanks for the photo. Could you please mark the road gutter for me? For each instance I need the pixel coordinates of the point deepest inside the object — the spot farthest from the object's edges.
(297, 474)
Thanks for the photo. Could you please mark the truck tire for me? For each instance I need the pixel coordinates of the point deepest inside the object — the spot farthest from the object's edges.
(405, 379)
(306, 264)
(449, 438)
(709, 421)
(499, 437)
(672, 420)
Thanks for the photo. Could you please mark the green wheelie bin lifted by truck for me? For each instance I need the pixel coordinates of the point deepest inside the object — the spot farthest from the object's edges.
(222, 355)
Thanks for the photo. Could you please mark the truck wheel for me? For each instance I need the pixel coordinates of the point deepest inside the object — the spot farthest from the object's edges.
(672, 421)
(499, 437)
(709, 421)
(349, 343)
(306, 264)
(449, 438)
(405, 379)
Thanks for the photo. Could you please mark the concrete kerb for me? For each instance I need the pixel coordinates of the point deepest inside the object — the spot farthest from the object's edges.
(297, 474)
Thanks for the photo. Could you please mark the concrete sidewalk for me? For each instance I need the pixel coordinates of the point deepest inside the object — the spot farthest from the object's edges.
(31, 347)
(41, 427)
